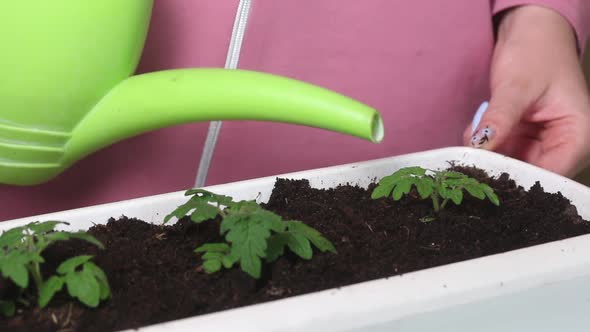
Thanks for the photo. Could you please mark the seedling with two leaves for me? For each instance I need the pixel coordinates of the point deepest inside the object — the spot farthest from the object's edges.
(440, 186)
(21, 257)
(251, 233)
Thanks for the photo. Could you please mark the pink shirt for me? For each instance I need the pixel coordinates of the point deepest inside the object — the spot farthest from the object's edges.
(423, 64)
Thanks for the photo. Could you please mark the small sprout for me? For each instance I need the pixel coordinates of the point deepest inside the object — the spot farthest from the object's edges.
(251, 233)
(20, 260)
(440, 186)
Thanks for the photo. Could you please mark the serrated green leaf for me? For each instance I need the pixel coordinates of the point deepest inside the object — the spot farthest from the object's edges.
(425, 187)
(312, 235)
(453, 175)
(88, 238)
(16, 271)
(44, 227)
(101, 278)
(209, 196)
(32, 257)
(382, 190)
(48, 290)
(228, 262)
(272, 220)
(11, 237)
(198, 192)
(299, 245)
(390, 180)
(490, 194)
(475, 191)
(413, 170)
(275, 246)
(57, 236)
(444, 192)
(248, 239)
(199, 203)
(403, 187)
(456, 196)
(7, 308)
(451, 183)
(70, 265)
(204, 211)
(213, 247)
(84, 286)
(213, 255)
(180, 211)
(212, 266)
(229, 222)
(14, 267)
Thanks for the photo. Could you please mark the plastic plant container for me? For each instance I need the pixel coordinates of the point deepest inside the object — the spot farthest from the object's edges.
(539, 288)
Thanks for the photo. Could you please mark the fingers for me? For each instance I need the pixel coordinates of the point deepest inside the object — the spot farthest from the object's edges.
(499, 121)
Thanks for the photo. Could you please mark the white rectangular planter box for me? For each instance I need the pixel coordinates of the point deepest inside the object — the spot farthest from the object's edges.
(541, 288)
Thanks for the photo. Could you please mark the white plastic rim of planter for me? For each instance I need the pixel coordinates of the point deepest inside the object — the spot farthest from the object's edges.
(540, 288)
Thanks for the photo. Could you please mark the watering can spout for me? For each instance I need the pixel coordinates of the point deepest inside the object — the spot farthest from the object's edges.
(156, 100)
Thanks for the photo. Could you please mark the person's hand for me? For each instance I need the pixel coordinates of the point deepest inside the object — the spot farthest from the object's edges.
(539, 110)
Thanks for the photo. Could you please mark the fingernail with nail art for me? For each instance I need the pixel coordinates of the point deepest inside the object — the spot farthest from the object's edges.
(478, 115)
(482, 137)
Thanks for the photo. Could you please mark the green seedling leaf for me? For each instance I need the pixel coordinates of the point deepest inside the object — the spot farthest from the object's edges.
(453, 175)
(210, 197)
(403, 187)
(203, 212)
(14, 267)
(299, 244)
(20, 259)
(228, 261)
(84, 286)
(201, 202)
(70, 265)
(44, 227)
(213, 247)
(456, 196)
(58, 236)
(413, 170)
(312, 235)
(425, 187)
(475, 191)
(17, 273)
(12, 237)
(436, 185)
(49, 289)
(101, 278)
(216, 256)
(490, 194)
(212, 265)
(248, 238)
(382, 190)
(276, 246)
(7, 308)
(251, 234)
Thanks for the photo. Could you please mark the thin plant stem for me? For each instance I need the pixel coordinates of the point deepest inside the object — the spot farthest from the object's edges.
(435, 203)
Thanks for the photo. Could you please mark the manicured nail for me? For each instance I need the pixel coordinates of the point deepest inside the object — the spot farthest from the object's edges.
(478, 115)
(482, 137)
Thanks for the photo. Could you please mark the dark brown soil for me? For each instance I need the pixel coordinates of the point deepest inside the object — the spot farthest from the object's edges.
(155, 275)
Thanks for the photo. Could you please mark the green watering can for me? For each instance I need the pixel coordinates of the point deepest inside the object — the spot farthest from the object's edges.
(66, 88)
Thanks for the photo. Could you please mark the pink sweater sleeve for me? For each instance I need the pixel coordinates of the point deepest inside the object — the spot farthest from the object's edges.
(577, 12)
